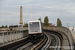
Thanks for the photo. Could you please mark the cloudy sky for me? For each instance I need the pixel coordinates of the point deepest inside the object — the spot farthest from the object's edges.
(34, 9)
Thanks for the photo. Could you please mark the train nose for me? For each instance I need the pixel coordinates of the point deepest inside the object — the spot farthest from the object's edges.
(34, 35)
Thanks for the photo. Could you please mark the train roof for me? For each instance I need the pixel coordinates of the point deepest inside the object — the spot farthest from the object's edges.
(35, 21)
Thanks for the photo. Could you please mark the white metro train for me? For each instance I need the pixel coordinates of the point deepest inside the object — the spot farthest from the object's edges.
(35, 30)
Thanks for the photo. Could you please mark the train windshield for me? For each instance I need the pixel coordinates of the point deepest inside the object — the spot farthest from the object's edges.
(34, 26)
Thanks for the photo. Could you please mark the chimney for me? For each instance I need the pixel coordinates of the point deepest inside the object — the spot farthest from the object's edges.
(21, 15)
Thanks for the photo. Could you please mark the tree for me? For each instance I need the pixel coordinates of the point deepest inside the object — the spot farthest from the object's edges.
(39, 19)
(25, 25)
(46, 20)
(6, 26)
(2, 26)
(59, 23)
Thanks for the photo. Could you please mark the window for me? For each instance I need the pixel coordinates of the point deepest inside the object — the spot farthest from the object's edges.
(34, 27)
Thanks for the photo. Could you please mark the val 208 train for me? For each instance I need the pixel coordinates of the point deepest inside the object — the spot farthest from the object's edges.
(35, 30)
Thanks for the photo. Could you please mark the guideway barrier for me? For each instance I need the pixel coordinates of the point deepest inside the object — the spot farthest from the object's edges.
(68, 37)
(7, 36)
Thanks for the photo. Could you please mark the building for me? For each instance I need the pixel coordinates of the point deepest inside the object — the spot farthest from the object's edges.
(50, 24)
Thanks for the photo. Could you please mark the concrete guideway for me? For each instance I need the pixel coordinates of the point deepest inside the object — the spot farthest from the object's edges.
(67, 34)
(51, 36)
(68, 40)
(58, 42)
(73, 33)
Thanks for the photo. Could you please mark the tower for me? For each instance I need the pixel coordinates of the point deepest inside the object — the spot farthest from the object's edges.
(21, 16)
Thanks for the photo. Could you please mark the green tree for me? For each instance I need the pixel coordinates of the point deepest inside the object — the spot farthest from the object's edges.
(2, 26)
(25, 25)
(6, 26)
(39, 19)
(59, 23)
(46, 21)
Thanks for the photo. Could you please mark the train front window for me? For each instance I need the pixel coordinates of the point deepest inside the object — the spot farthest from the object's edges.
(34, 27)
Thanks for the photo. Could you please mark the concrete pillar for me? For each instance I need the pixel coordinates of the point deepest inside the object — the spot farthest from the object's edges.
(17, 34)
(21, 34)
(3, 37)
(7, 37)
(11, 35)
(14, 35)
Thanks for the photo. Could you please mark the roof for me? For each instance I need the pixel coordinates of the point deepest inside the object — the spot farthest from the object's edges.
(35, 21)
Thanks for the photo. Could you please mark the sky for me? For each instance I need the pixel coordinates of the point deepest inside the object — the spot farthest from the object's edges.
(34, 9)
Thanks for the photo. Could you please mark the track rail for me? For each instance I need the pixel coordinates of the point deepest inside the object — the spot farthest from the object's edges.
(14, 46)
(58, 40)
(19, 45)
(47, 43)
(24, 46)
(43, 42)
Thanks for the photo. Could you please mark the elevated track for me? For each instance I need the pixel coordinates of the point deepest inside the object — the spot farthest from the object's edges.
(56, 36)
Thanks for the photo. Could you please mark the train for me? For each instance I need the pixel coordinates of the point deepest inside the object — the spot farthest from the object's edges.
(35, 30)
